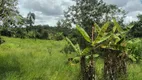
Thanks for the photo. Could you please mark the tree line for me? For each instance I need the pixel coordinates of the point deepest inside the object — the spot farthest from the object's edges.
(84, 13)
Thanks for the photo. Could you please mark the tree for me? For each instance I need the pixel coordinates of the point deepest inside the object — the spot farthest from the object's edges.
(30, 21)
(8, 12)
(59, 24)
(88, 73)
(116, 53)
(136, 31)
(114, 44)
(87, 12)
(64, 23)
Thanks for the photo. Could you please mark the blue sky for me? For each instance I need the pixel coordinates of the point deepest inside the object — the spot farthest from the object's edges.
(50, 11)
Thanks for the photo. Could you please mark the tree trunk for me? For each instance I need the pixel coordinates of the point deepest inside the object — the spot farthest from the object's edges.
(83, 68)
(122, 67)
(114, 65)
(91, 71)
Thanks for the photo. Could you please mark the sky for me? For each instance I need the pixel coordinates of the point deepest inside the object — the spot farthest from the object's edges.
(50, 11)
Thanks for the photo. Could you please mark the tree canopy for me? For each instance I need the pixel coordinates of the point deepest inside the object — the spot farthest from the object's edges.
(9, 14)
(87, 12)
(136, 31)
(30, 18)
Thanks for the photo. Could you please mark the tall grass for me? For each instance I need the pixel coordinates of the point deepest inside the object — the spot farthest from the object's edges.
(29, 60)
(26, 59)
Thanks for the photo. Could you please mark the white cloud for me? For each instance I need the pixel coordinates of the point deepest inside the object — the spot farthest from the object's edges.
(46, 11)
(50, 11)
(132, 16)
(129, 19)
(119, 3)
(133, 5)
(47, 7)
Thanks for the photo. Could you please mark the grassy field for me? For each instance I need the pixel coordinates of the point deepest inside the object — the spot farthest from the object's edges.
(27, 59)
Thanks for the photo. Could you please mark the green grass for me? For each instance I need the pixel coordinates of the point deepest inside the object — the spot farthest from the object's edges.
(27, 59)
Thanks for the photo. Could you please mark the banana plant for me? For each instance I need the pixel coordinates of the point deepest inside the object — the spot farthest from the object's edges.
(80, 57)
(117, 39)
(112, 40)
(101, 35)
(78, 50)
(115, 52)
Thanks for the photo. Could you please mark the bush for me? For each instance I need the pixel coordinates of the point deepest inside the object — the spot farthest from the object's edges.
(42, 35)
(6, 32)
(56, 36)
(135, 47)
(67, 49)
(1, 40)
(20, 33)
(59, 36)
(30, 34)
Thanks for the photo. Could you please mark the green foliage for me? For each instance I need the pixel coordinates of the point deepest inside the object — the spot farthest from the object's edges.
(42, 34)
(56, 36)
(30, 18)
(117, 26)
(101, 34)
(117, 39)
(1, 41)
(9, 14)
(68, 49)
(77, 48)
(26, 59)
(31, 34)
(20, 33)
(103, 29)
(135, 52)
(6, 32)
(136, 31)
(100, 37)
(86, 12)
(59, 36)
(84, 34)
(38, 31)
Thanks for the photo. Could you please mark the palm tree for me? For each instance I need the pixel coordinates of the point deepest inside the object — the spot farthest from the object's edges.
(31, 18)
(30, 21)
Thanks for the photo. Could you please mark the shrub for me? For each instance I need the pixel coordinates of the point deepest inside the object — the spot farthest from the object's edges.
(6, 32)
(20, 33)
(43, 35)
(67, 49)
(56, 36)
(135, 46)
(1, 40)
